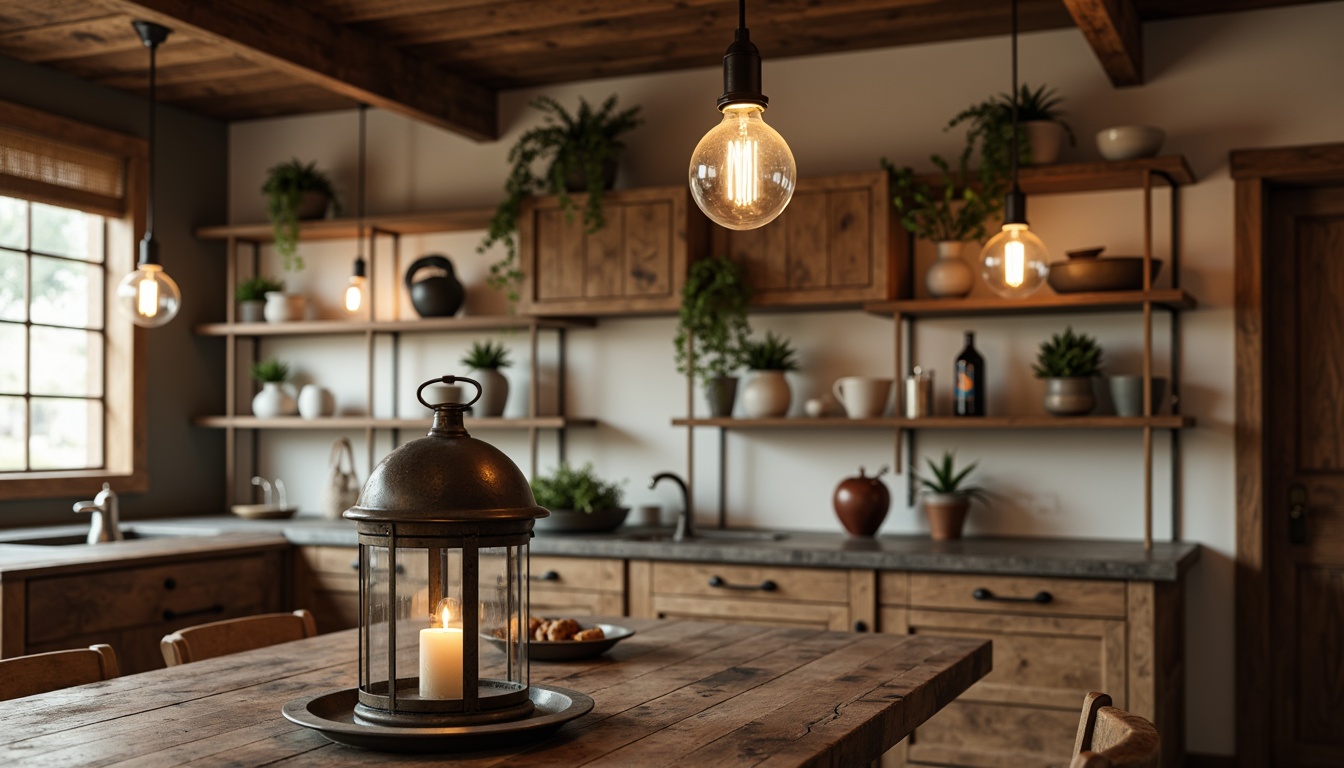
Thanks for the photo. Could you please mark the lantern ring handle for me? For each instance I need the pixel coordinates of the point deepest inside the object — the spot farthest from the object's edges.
(449, 380)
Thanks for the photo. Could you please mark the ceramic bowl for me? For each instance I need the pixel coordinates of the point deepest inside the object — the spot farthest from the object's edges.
(1128, 142)
(566, 650)
(1114, 273)
(569, 521)
(264, 511)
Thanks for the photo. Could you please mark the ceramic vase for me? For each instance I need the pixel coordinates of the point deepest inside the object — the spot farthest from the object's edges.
(861, 503)
(720, 395)
(252, 311)
(949, 276)
(1069, 397)
(316, 402)
(766, 395)
(946, 513)
(494, 393)
(273, 401)
(1046, 139)
(282, 307)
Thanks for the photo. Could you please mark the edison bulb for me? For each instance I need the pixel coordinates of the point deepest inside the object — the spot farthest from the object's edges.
(149, 296)
(1014, 263)
(354, 294)
(742, 172)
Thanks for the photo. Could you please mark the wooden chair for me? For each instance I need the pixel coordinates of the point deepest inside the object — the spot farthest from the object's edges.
(220, 638)
(42, 672)
(1113, 738)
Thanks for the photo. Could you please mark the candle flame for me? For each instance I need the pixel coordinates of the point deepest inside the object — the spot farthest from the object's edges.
(446, 616)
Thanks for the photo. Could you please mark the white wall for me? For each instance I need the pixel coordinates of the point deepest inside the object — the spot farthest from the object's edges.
(1214, 84)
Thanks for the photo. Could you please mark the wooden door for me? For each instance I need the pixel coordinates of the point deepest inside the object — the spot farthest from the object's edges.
(1304, 477)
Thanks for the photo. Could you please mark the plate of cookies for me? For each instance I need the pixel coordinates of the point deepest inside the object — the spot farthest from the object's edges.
(563, 639)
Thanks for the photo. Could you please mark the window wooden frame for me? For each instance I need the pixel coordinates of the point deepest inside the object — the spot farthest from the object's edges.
(126, 450)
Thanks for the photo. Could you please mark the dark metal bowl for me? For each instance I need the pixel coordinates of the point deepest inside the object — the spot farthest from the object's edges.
(1114, 273)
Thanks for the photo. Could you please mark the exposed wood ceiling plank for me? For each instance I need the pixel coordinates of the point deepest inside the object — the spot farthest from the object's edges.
(26, 14)
(351, 11)
(70, 39)
(298, 99)
(1113, 29)
(204, 71)
(291, 39)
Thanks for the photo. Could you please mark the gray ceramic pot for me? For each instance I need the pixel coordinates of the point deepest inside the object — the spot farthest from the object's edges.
(720, 394)
(494, 393)
(1069, 397)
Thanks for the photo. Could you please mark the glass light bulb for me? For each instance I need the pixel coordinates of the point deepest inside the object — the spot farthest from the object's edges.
(354, 294)
(742, 172)
(149, 296)
(1014, 263)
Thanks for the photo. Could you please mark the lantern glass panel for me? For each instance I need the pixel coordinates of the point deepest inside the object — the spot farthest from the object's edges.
(377, 591)
(503, 600)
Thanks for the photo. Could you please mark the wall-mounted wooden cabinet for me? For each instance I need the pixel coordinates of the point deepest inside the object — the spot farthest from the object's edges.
(635, 264)
(838, 244)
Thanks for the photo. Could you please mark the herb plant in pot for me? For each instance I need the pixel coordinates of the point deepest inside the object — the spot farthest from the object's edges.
(251, 296)
(272, 400)
(1069, 363)
(581, 150)
(1040, 121)
(712, 329)
(947, 496)
(295, 191)
(485, 359)
(578, 500)
(767, 393)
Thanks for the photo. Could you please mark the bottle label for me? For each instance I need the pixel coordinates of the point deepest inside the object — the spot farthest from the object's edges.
(965, 380)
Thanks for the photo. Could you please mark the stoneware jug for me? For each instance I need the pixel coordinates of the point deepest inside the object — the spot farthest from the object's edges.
(863, 397)
(766, 395)
(862, 502)
(438, 295)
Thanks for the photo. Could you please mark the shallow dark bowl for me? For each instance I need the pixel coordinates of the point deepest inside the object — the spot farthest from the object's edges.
(1114, 273)
(569, 521)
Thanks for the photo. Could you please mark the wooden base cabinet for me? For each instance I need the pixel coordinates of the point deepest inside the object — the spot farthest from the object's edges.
(1054, 640)
(326, 582)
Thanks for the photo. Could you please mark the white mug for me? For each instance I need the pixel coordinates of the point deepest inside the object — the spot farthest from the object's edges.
(863, 397)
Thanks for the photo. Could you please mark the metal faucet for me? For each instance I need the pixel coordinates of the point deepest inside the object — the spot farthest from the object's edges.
(685, 520)
(105, 524)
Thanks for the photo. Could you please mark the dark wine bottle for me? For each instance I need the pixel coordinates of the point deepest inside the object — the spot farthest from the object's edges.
(968, 387)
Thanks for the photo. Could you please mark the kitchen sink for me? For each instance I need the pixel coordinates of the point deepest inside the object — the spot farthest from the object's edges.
(710, 537)
(71, 539)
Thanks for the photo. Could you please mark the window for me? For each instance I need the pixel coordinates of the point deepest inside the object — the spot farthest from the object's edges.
(71, 211)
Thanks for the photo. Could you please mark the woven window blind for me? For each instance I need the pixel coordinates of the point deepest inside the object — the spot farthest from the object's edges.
(48, 170)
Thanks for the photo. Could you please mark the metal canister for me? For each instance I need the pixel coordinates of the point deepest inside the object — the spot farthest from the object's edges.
(919, 393)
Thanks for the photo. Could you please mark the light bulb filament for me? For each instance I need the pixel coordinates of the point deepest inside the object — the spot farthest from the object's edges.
(1014, 263)
(742, 162)
(147, 297)
(354, 295)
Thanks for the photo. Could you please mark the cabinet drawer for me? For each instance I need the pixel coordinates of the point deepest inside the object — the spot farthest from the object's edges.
(750, 583)
(550, 574)
(203, 590)
(1074, 597)
(341, 561)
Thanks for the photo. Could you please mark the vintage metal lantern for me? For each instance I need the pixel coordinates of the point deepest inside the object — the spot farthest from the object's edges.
(444, 523)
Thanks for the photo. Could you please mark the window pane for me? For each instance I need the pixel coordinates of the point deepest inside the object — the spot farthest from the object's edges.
(11, 434)
(13, 223)
(12, 281)
(67, 293)
(66, 362)
(67, 232)
(66, 434)
(13, 374)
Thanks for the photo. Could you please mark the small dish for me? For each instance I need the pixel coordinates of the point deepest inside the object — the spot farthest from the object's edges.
(263, 511)
(568, 650)
(1129, 142)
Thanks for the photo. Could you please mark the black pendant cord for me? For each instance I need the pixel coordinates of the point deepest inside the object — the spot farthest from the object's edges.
(151, 35)
(1015, 202)
(359, 204)
(741, 14)
(742, 67)
(1016, 188)
(149, 212)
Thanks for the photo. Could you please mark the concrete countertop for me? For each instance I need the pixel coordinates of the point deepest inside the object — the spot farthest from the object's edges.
(1078, 558)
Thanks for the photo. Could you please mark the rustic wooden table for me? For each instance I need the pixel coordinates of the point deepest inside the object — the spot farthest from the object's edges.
(677, 693)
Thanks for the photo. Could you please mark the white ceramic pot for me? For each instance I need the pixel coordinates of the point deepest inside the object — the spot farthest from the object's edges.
(766, 395)
(282, 307)
(273, 401)
(494, 393)
(949, 276)
(316, 402)
(251, 311)
(1046, 139)
(863, 397)
(1069, 397)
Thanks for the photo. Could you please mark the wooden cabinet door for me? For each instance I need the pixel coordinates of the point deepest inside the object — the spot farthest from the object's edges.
(326, 582)
(562, 587)
(836, 245)
(635, 264)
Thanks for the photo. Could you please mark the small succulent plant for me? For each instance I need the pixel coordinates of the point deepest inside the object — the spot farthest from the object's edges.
(945, 479)
(773, 354)
(487, 356)
(1068, 356)
(270, 371)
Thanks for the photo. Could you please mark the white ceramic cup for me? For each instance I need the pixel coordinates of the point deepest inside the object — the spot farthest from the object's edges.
(863, 397)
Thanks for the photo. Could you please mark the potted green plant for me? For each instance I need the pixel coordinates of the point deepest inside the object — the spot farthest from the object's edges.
(251, 296)
(295, 191)
(712, 329)
(581, 151)
(1069, 362)
(948, 212)
(1041, 126)
(272, 400)
(948, 496)
(767, 393)
(578, 500)
(486, 359)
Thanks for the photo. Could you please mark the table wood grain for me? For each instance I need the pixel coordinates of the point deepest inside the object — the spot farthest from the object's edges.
(677, 693)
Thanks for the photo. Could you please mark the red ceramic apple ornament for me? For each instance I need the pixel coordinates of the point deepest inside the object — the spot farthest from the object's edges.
(862, 502)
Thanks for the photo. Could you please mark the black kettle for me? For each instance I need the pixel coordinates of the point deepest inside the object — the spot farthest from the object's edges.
(437, 296)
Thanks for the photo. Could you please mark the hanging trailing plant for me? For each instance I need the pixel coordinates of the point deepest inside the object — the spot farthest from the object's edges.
(713, 316)
(285, 187)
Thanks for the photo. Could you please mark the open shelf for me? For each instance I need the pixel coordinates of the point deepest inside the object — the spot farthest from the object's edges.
(949, 422)
(348, 229)
(422, 325)
(1060, 178)
(1102, 301)
(366, 422)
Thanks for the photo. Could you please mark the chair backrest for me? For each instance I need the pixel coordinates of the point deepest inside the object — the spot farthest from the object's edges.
(1113, 738)
(42, 672)
(220, 638)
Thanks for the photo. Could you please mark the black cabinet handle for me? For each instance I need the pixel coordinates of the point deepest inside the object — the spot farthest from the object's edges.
(765, 586)
(860, 626)
(1041, 598)
(170, 614)
(547, 576)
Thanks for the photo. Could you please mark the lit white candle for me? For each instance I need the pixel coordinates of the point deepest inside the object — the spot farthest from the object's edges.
(441, 661)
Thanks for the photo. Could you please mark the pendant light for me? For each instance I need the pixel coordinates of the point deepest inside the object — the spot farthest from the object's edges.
(1014, 263)
(148, 295)
(742, 172)
(354, 292)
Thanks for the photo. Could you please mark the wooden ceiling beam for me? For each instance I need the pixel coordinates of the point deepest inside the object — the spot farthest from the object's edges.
(1115, 31)
(291, 39)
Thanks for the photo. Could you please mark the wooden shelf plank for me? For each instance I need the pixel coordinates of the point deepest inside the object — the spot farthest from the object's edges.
(1061, 178)
(422, 325)
(949, 422)
(364, 422)
(1102, 301)
(344, 229)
